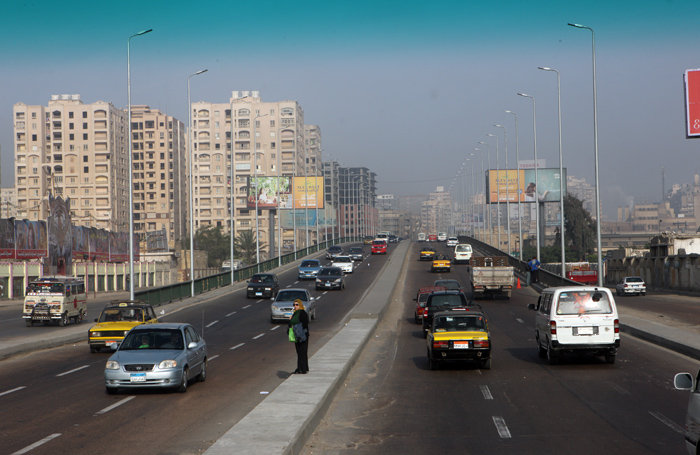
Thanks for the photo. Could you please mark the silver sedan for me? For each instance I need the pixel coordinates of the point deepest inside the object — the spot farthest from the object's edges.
(283, 306)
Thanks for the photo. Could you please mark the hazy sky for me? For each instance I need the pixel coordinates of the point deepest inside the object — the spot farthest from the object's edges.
(404, 88)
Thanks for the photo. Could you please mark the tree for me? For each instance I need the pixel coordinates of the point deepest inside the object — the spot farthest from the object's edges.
(579, 230)
(215, 243)
(245, 246)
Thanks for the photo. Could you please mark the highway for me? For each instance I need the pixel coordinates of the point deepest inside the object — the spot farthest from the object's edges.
(53, 401)
(393, 404)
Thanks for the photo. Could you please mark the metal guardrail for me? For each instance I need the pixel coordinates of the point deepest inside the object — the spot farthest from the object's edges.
(165, 294)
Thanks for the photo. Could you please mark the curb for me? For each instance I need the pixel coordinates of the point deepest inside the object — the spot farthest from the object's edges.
(661, 341)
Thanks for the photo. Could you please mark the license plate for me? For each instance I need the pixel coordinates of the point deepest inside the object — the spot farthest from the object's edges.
(328, 283)
(138, 377)
(111, 344)
(258, 293)
(584, 331)
(289, 315)
(461, 345)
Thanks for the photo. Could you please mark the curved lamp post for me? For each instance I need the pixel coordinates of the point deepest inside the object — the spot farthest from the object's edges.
(517, 163)
(537, 198)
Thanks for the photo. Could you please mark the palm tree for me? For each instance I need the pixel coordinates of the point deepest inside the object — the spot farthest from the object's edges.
(245, 246)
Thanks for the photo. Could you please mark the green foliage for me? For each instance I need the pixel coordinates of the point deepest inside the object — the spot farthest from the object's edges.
(245, 246)
(215, 243)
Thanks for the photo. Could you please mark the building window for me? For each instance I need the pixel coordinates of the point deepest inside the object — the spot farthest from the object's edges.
(85, 136)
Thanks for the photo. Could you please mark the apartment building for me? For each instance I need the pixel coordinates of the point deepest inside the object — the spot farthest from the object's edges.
(159, 176)
(74, 150)
(357, 193)
(8, 202)
(268, 141)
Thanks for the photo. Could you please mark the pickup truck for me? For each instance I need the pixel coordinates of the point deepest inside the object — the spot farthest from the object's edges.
(491, 275)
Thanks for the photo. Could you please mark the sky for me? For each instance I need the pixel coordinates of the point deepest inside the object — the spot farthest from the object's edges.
(405, 88)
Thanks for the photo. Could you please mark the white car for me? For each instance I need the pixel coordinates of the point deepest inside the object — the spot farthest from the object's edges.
(442, 236)
(452, 241)
(345, 263)
(463, 253)
(631, 285)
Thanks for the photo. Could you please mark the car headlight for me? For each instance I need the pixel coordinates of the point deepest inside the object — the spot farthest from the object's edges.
(338, 280)
(112, 365)
(167, 364)
(125, 332)
(95, 334)
(268, 289)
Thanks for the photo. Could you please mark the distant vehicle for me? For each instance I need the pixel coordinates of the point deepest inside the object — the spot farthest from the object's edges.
(157, 356)
(356, 253)
(443, 301)
(442, 237)
(58, 299)
(115, 321)
(283, 306)
(379, 246)
(263, 285)
(432, 238)
(421, 298)
(330, 278)
(685, 381)
(449, 284)
(631, 285)
(491, 275)
(463, 253)
(382, 236)
(422, 237)
(345, 263)
(367, 240)
(308, 269)
(452, 241)
(426, 254)
(226, 265)
(393, 238)
(441, 264)
(333, 251)
(458, 335)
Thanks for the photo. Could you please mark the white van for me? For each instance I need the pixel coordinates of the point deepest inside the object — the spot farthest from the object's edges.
(575, 319)
(442, 237)
(463, 253)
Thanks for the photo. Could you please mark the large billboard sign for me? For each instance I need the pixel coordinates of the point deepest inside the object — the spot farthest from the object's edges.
(308, 192)
(692, 102)
(290, 217)
(503, 185)
(266, 190)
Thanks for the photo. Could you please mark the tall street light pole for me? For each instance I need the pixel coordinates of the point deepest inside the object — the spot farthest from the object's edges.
(191, 159)
(257, 189)
(486, 202)
(595, 142)
(561, 173)
(507, 172)
(537, 189)
(517, 162)
(131, 165)
(498, 193)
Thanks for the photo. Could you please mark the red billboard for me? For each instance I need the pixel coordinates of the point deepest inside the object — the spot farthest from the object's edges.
(692, 102)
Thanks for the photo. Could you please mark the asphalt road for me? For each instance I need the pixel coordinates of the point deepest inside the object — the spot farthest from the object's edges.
(393, 404)
(54, 401)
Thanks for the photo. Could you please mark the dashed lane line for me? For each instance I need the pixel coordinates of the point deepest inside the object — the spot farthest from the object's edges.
(486, 392)
(115, 405)
(212, 323)
(72, 371)
(29, 448)
(16, 389)
(668, 422)
(230, 314)
(258, 336)
(237, 346)
(501, 427)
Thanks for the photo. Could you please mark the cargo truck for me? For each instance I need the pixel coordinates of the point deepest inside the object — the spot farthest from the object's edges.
(491, 275)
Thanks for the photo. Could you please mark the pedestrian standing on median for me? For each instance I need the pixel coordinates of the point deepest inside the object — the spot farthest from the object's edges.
(534, 265)
(299, 329)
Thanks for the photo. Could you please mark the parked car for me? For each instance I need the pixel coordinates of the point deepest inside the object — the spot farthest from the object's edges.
(115, 321)
(162, 355)
(263, 285)
(283, 306)
(345, 263)
(452, 241)
(330, 278)
(685, 381)
(356, 253)
(634, 285)
(379, 246)
(333, 251)
(459, 335)
(308, 269)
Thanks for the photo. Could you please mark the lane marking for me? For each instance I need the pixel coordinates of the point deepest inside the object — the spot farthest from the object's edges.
(237, 346)
(247, 306)
(324, 293)
(72, 371)
(13, 390)
(231, 314)
(115, 405)
(211, 324)
(520, 320)
(212, 357)
(668, 422)
(37, 444)
(486, 392)
(501, 426)
(274, 328)
(258, 336)
(296, 282)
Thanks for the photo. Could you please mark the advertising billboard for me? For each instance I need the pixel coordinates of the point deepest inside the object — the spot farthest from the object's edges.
(266, 189)
(692, 102)
(308, 192)
(288, 219)
(502, 185)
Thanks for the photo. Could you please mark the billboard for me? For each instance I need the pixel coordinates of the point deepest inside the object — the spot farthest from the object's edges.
(288, 218)
(308, 192)
(266, 189)
(502, 185)
(692, 102)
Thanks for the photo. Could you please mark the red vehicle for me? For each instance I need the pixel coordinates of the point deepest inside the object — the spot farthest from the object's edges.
(432, 238)
(583, 276)
(379, 247)
(420, 300)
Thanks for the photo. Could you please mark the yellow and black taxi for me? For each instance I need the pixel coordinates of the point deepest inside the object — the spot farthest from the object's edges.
(459, 335)
(426, 254)
(115, 321)
(441, 264)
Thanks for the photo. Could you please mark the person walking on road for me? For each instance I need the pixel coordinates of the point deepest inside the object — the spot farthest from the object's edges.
(534, 265)
(299, 326)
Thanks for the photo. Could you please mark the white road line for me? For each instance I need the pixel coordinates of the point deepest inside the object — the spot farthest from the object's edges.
(231, 314)
(501, 426)
(37, 444)
(258, 336)
(12, 390)
(324, 293)
(213, 357)
(237, 346)
(520, 320)
(211, 324)
(115, 405)
(668, 422)
(274, 328)
(72, 371)
(296, 282)
(247, 306)
(486, 392)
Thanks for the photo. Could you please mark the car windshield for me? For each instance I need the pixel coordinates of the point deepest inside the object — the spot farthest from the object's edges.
(121, 314)
(152, 339)
(330, 272)
(342, 259)
(356, 250)
(423, 297)
(449, 284)
(261, 279)
(460, 324)
(309, 264)
(446, 300)
(291, 295)
(634, 279)
(334, 249)
(583, 302)
(463, 248)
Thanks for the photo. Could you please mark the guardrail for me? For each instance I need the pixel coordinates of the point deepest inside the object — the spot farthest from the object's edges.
(165, 294)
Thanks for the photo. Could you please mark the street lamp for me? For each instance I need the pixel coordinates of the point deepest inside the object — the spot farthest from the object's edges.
(505, 147)
(595, 142)
(131, 166)
(498, 193)
(257, 194)
(537, 189)
(232, 196)
(191, 158)
(517, 160)
(561, 173)
(488, 156)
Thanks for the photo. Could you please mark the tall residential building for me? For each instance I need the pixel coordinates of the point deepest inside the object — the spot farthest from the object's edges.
(357, 194)
(159, 176)
(74, 150)
(312, 139)
(8, 202)
(436, 212)
(277, 131)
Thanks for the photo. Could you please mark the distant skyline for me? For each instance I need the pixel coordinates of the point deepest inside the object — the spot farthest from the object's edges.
(406, 89)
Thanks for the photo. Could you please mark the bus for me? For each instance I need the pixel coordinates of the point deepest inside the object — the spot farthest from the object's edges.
(56, 299)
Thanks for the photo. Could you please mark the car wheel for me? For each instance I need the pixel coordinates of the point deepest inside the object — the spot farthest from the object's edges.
(111, 390)
(432, 364)
(64, 320)
(182, 388)
(93, 349)
(485, 364)
(541, 352)
(552, 357)
(415, 318)
(203, 373)
(644, 293)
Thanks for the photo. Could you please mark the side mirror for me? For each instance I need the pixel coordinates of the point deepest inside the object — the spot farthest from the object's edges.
(531, 306)
(192, 345)
(683, 381)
